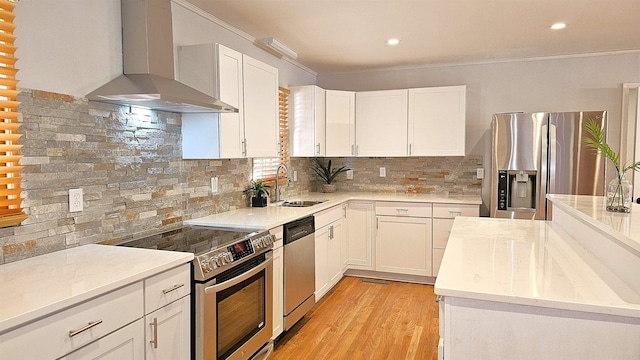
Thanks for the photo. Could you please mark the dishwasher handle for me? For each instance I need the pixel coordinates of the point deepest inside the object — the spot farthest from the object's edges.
(298, 229)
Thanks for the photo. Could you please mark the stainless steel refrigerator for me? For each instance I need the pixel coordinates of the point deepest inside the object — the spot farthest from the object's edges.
(542, 153)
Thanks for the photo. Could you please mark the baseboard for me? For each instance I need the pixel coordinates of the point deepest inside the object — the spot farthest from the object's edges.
(417, 279)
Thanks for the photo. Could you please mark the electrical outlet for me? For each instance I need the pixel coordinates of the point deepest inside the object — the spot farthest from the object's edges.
(480, 173)
(349, 174)
(214, 184)
(383, 172)
(295, 175)
(75, 200)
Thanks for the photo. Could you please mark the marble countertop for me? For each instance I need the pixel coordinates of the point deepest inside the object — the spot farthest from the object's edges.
(529, 262)
(591, 210)
(38, 286)
(254, 219)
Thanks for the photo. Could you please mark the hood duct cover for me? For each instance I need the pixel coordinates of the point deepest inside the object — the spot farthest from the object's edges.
(148, 79)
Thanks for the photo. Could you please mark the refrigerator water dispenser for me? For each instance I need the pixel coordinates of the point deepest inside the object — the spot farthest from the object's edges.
(516, 190)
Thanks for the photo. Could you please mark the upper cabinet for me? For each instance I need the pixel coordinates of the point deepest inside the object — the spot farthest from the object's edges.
(437, 121)
(238, 80)
(403, 122)
(381, 123)
(307, 121)
(340, 123)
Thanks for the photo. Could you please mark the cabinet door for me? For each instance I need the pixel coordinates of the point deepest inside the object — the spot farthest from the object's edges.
(307, 120)
(278, 282)
(322, 254)
(437, 121)
(441, 231)
(260, 108)
(335, 260)
(168, 331)
(360, 235)
(124, 344)
(340, 123)
(404, 245)
(231, 125)
(382, 123)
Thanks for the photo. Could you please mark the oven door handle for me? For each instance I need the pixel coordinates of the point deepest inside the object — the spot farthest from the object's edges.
(240, 278)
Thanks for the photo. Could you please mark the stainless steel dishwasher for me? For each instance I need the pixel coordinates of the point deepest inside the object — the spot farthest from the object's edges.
(299, 269)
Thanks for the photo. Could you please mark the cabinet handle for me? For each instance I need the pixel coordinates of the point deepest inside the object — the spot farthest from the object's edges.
(409, 149)
(244, 147)
(90, 325)
(173, 288)
(154, 341)
(402, 211)
(353, 150)
(357, 149)
(455, 213)
(318, 151)
(331, 232)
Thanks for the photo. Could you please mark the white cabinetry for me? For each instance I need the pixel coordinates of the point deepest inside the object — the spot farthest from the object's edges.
(443, 216)
(168, 315)
(113, 325)
(437, 121)
(278, 283)
(340, 123)
(360, 217)
(381, 118)
(260, 82)
(124, 344)
(238, 80)
(307, 120)
(330, 250)
(403, 243)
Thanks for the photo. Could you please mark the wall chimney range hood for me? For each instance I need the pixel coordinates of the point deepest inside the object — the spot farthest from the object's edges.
(148, 58)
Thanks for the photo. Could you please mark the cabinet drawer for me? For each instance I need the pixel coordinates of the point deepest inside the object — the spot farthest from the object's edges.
(59, 334)
(325, 217)
(392, 208)
(450, 211)
(164, 288)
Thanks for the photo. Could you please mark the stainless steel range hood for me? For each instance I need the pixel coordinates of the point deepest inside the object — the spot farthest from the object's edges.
(148, 79)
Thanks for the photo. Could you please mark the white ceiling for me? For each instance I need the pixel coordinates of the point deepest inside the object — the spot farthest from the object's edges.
(349, 35)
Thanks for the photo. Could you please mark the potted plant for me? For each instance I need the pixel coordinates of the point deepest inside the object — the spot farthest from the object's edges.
(259, 193)
(327, 174)
(619, 189)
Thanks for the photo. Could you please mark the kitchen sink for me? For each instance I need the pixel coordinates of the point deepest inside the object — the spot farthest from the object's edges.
(302, 203)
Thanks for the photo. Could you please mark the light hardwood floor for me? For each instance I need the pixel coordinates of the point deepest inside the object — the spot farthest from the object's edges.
(366, 319)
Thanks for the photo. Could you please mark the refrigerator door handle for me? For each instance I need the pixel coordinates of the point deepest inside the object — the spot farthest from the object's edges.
(552, 159)
(543, 162)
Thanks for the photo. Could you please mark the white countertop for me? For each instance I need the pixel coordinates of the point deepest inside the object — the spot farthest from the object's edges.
(41, 285)
(529, 262)
(591, 210)
(268, 217)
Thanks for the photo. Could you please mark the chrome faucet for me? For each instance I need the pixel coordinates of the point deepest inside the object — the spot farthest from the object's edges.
(286, 169)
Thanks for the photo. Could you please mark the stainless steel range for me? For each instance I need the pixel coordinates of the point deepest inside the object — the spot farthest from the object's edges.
(232, 291)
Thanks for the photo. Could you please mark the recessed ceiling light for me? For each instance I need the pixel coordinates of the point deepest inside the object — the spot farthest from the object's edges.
(558, 26)
(393, 41)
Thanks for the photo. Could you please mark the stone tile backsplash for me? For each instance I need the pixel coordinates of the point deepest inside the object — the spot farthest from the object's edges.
(135, 181)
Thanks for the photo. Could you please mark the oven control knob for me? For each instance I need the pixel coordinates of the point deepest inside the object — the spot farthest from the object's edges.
(220, 260)
(228, 257)
(204, 264)
(212, 263)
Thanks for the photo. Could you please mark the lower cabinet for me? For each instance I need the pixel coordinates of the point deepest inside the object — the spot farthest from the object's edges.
(168, 330)
(331, 249)
(278, 283)
(116, 325)
(124, 344)
(404, 245)
(360, 217)
(443, 217)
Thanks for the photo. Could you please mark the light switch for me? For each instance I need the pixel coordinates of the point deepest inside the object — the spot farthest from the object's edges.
(349, 174)
(480, 173)
(383, 172)
(214, 184)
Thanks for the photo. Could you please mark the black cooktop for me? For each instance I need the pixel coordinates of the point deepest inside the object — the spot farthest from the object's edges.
(187, 239)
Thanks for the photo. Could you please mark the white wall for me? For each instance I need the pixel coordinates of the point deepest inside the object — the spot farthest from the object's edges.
(75, 46)
(562, 84)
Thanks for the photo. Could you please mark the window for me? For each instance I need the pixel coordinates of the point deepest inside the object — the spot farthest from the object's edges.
(10, 192)
(265, 169)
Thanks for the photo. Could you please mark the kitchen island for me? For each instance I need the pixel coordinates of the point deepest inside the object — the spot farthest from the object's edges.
(524, 289)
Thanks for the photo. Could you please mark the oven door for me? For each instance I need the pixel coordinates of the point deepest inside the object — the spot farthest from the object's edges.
(236, 313)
